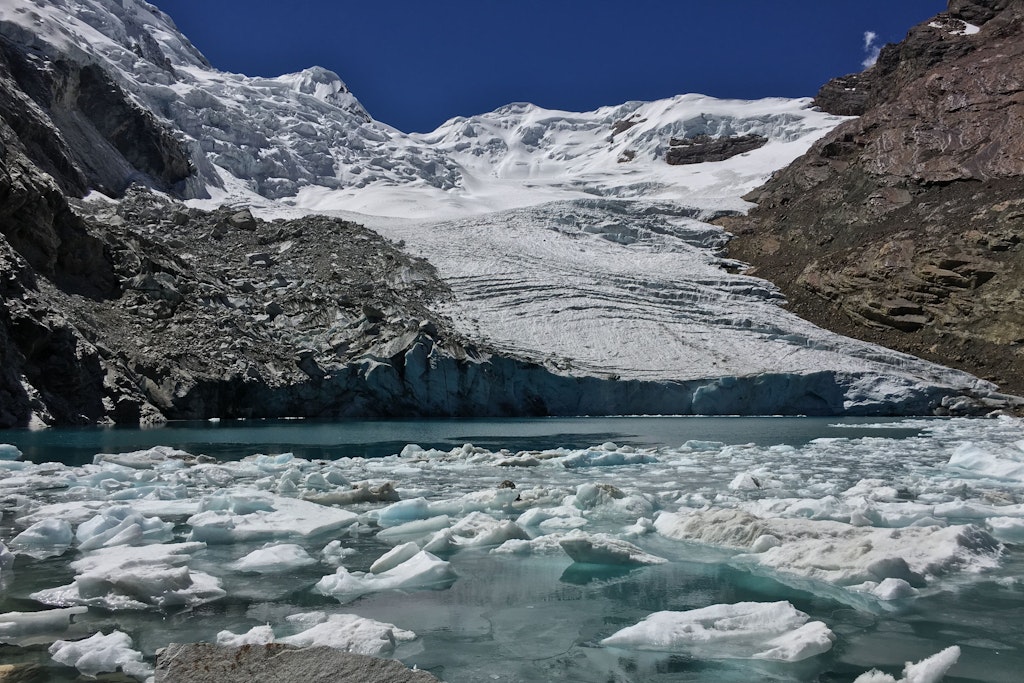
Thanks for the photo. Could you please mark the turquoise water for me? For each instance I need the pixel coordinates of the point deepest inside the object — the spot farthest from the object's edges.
(234, 439)
(519, 619)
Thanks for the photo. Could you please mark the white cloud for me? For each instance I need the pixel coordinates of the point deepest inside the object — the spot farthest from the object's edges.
(871, 49)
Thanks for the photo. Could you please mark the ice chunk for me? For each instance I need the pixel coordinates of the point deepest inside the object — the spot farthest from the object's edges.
(267, 517)
(843, 554)
(423, 570)
(972, 460)
(930, 670)
(745, 630)
(17, 625)
(352, 633)
(888, 589)
(361, 492)
(605, 549)
(418, 528)
(476, 529)
(274, 558)
(100, 653)
(394, 557)
(121, 525)
(405, 511)
(1007, 529)
(603, 458)
(135, 578)
(549, 544)
(257, 635)
(9, 452)
(6, 559)
(163, 457)
(334, 553)
(46, 538)
(477, 501)
(346, 632)
(835, 552)
(723, 527)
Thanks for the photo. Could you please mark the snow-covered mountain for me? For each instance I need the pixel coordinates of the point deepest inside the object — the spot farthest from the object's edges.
(566, 238)
(304, 137)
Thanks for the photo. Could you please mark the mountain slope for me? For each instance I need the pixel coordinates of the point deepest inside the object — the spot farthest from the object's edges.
(903, 227)
(539, 262)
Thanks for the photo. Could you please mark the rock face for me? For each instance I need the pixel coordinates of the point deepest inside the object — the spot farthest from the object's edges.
(903, 227)
(205, 663)
(79, 126)
(702, 148)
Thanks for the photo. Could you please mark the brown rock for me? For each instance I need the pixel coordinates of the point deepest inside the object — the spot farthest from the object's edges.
(207, 663)
(900, 227)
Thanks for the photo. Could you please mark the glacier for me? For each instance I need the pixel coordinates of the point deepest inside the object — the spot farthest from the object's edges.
(570, 245)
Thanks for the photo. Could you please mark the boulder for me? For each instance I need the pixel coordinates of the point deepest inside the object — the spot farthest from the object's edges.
(208, 663)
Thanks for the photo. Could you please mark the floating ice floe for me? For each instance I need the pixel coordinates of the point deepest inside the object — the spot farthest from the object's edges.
(102, 653)
(608, 455)
(250, 515)
(9, 452)
(334, 553)
(272, 559)
(422, 570)
(838, 553)
(930, 670)
(16, 626)
(415, 529)
(163, 457)
(45, 538)
(138, 577)
(745, 630)
(346, 632)
(122, 525)
(604, 549)
(360, 492)
(394, 557)
(1006, 463)
(474, 530)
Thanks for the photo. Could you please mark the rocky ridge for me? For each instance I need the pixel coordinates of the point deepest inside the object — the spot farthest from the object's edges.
(904, 226)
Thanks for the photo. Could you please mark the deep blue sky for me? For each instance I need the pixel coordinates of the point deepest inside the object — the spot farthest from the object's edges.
(415, 63)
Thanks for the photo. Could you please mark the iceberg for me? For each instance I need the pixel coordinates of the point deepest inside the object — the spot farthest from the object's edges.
(273, 559)
(346, 632)
(745, 630)
(136, 578)
(257, 516)
(604, 549)
(929, 670)
(102, 653)
(422, 570)
(835, 552)
(45, 538)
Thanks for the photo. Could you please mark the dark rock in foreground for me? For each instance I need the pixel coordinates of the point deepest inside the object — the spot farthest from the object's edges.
(207, 663)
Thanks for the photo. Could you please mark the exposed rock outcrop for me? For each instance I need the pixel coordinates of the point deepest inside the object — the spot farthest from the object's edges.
(903, 227)
(206, 663)
(703, 148)
(79, 126)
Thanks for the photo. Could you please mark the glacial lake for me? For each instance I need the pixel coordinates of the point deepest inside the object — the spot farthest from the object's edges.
(946, 495)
